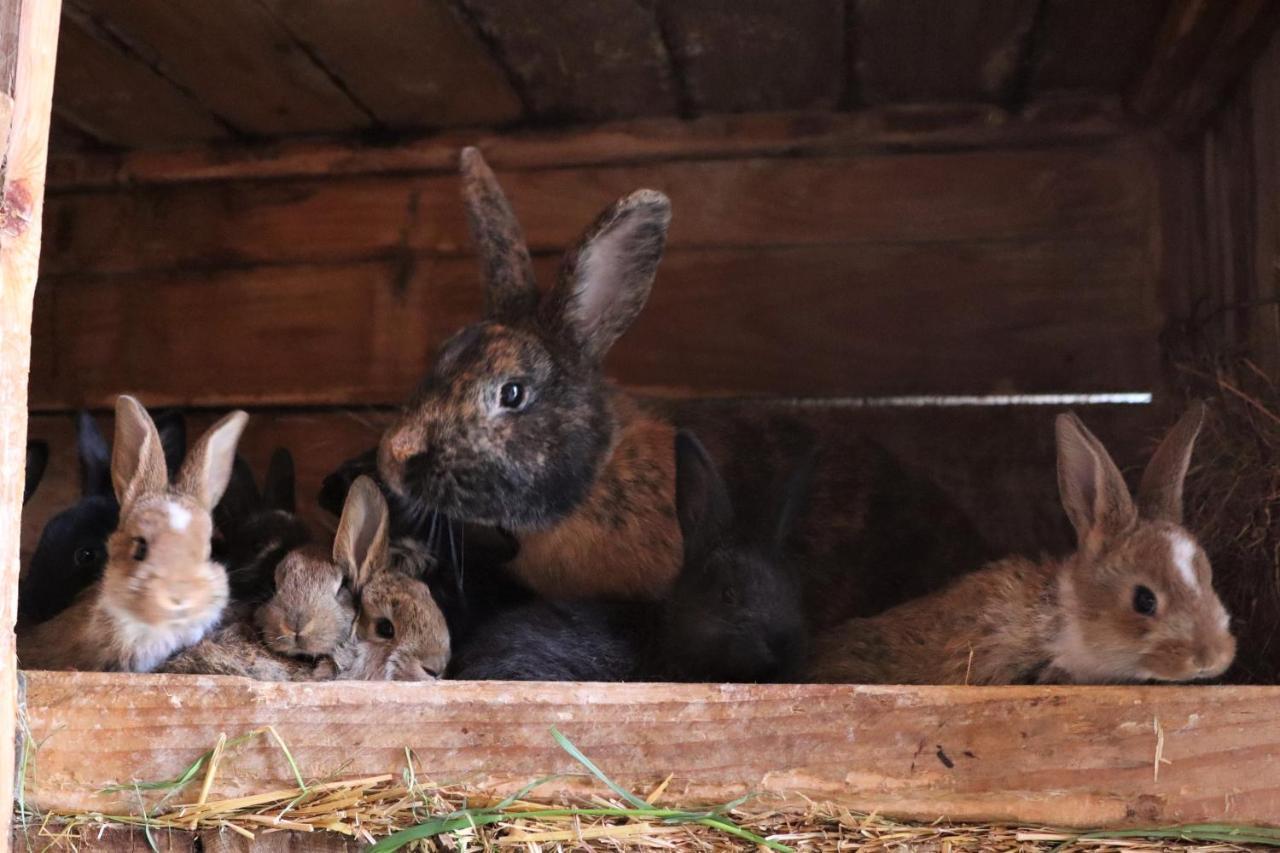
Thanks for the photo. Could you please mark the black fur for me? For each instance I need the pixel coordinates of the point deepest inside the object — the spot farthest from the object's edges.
(37, 461)
(256, 530)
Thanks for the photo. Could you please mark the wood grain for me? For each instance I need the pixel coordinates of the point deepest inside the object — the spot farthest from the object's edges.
(412, 64)
(1095, 45)
(1062, 756)
(1089, 191)
(104, 91)
(34, 46)
(573, 61)
(923, 50)
(237, 59)
(760, 55)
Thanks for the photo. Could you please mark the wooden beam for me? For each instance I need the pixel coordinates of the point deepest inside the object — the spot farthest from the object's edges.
(34, 45)
(1095, 45)
(1060, 756)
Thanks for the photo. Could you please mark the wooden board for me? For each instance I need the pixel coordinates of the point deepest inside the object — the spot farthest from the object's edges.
(1061, 756)
(1102, 191)
(919, 50)
(411, 64)
(1095, 45)
(573, 61)
(34, 46)
(107, 93)
(237, 59)
(760, 55)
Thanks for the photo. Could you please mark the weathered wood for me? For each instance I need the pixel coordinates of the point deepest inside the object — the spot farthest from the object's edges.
(915, 128)
(237, 59)
(923, 50)
(1264, 316)
(598, 60)
(873, 319)
(1095, 45)
(1093, 191)
(106, 92)
(756, 55)
(34, 44)
(412, 64)
(1062, 756)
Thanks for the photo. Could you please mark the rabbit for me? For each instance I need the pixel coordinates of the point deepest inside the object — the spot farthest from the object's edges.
(37, 461)
(159, 591)
(734, 613)
(258, 529)
(235, 648)
(312, 610)
(515, 427)
(72, 549)
(1134, 603)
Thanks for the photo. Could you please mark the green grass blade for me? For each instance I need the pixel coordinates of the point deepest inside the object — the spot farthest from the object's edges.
(569, 747)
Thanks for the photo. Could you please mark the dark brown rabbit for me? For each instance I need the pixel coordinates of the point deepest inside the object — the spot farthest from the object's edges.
(1134, 603)
(515, 426)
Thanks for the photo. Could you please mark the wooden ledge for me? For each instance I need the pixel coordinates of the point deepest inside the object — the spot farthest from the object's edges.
(1060, 756)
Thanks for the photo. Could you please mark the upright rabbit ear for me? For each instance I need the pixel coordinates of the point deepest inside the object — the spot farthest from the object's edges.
(1160, 492)
(702, 500)
(510, 289)
(95, 457)
(205, 474)
(240, 499)
(278, 492)
(137, 459)
(361, 544)
(1093, 491)
(172, 427)
(795, 496)
(37, 461)
(606, 279)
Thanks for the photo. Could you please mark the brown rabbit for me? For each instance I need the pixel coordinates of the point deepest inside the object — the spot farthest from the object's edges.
(237, 649)
(312, 611)
(159, 591)
(1134, 603)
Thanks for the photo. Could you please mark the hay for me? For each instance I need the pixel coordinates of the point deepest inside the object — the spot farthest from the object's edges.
(1232, 499)
(392, 812)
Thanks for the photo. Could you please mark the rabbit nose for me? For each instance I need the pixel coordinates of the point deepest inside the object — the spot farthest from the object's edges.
(175, 602)
(419, 465)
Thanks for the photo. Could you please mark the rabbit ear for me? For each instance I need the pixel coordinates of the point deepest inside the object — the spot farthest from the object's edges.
(172, 427)
(278, 491)
(240, 498)
(605, 280)
(361, 544)
(333, 490)
(510, 289)
(137, 459)
(205, 474)
(95, 457)
(1093, 491)
(1160, 492)
(795, 496)
(702, 501)
(37, 461)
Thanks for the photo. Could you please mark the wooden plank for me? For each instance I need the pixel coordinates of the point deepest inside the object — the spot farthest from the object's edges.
(1060, 756)
(1264, 330)
(877, 318)
(109, 94)
(1095, 45)
(598, 60)
(922, 50)
(412, 64)
(1094, 191)
(34, 44)
(237, 59)
(757, 55)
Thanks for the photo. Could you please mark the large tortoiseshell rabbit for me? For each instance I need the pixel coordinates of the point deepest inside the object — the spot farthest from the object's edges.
(1135, 602)
(159, 591)
(515, 426)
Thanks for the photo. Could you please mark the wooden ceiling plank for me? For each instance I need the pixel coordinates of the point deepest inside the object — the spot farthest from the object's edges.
(757, 55)
(115, 98)
(926, 50)
(581, 61)
(413, 64)
(237, 59)
(1095, 45)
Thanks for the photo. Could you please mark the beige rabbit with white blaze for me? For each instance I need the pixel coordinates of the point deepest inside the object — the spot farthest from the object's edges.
(160, 591)
(1134, 603)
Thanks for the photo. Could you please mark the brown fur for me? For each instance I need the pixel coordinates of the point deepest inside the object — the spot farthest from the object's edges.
(1069, 621)
(237, 649)
(311, 611)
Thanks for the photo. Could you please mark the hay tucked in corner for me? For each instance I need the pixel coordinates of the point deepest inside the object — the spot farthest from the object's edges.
(1232, 501)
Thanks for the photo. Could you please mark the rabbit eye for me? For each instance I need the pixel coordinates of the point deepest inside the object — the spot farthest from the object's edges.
(139, 548)
(384, 628)
(511, 395)
(85, 557)
(1144, 601)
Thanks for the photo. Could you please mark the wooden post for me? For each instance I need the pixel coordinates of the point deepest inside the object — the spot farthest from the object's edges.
(29, 92)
